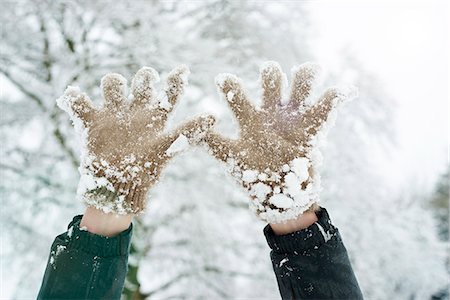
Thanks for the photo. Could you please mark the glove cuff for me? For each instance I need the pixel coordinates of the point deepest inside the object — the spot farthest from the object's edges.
(314, 236)
(276, 215)
(126, 198)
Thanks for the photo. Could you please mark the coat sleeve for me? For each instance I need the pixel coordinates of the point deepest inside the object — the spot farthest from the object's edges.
(313, 263)
(83, 265)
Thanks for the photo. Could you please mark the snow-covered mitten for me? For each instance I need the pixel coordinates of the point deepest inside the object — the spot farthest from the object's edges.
(124, 147)
(276, 157)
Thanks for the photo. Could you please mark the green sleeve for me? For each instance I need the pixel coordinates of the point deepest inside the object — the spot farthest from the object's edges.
(83, 265)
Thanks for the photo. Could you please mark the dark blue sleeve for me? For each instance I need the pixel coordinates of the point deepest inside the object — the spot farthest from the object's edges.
(83, 265)
(313, 263)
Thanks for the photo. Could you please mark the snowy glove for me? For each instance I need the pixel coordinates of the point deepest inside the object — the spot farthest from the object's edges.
(275, 159)
(124, 148)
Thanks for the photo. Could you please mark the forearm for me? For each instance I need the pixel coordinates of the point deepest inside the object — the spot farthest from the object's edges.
(105, 224)
(301, 222)
(312, 263)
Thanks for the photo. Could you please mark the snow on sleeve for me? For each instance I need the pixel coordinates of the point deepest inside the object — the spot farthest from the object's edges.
(180, 144)
(283, 261)
(54, 255)
(70, 232)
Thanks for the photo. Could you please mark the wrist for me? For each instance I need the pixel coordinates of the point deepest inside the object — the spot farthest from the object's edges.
(105, 224)
(302, 221)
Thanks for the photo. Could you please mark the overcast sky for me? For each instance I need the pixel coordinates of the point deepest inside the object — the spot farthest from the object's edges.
(407, 44)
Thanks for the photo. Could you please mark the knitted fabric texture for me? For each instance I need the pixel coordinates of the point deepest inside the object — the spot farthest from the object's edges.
(124, 147)
(276, 158)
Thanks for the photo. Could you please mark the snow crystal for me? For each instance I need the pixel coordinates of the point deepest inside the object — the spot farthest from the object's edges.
(129, 159)
(223, 77)
(163, 102)
(180, 144)
(54, 255)
(326, 235)
(59, 249)
(230, 96)
(249, 175)
(286, 168)
(89, 182)
(65, 102)
(263, 176)
(70, 231)
(281, 201)
(284, 189)
(184, 73)
(300, 167)
(283, 261)
(260, 190)
(292, 184)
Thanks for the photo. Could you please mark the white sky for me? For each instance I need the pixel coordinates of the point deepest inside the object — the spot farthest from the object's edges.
(407, 44)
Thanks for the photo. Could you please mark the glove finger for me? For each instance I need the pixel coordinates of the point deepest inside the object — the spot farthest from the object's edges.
(221, 147)
(303, 78)
(191, 132)
(142, 87)
(317, 116)
(114, 87)
(231, 87)
(195, 130)
(175, 85)
(77, 105)
(272, 84)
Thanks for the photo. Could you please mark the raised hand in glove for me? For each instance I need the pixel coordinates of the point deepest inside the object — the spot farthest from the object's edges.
(275, 158)
(125, 148)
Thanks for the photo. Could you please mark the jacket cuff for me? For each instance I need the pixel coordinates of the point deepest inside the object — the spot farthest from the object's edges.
(96, 244)
(314, 236)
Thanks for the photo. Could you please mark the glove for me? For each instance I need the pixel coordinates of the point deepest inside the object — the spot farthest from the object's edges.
(276, 158)
(124, 147)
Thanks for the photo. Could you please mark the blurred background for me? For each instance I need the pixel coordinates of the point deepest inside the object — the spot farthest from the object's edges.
(385, 174)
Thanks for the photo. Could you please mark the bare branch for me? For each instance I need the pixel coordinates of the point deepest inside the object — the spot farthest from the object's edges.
(22, 88)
